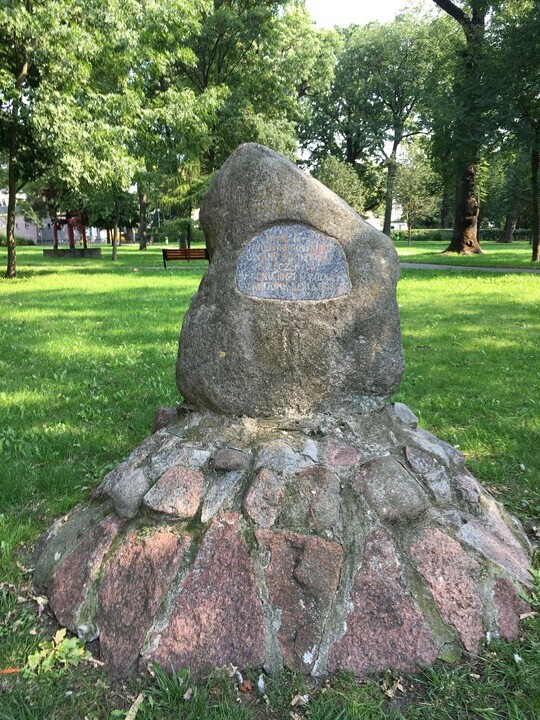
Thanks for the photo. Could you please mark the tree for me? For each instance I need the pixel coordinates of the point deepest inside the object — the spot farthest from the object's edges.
(517, 40)
(467, 131)
(417, 189)
(341, 178)
(39, 119)
(67, 97)
(378, 97)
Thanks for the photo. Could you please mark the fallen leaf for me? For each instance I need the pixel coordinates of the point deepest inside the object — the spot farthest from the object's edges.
(188, 694)
(245, 686)
(134, 709)
(299, 700)
(42, 603)
(10, 671)
(528, 615)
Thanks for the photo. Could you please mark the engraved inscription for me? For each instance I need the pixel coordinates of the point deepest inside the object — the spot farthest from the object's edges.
(293, 262)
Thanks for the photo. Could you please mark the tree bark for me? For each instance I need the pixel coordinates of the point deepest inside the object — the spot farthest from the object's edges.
(465, 236)
(535, 160)
(116, 232)
(71, 235)
(143, 226)
(11, 270)
(507, 234)
(390, 184)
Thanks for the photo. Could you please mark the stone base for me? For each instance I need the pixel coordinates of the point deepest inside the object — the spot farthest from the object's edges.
(319, 544)
(73, 252)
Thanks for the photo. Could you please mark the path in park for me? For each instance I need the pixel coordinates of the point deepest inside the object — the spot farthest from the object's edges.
(433, 266)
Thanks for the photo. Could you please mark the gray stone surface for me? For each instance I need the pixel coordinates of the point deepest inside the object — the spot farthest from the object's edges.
(391, 491)
(405, 414)
(128, 492)
(257, 356)
(177, 492)
(219, 495)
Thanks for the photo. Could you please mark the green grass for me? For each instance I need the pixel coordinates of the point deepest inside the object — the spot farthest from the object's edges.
(87, 351)
(516, 255)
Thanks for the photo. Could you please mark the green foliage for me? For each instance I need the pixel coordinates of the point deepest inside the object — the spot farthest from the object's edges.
(343, 180)
(417, 189)
(55, 655)
(18, 240)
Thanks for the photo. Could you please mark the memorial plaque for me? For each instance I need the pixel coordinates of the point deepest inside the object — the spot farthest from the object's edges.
(293, 262)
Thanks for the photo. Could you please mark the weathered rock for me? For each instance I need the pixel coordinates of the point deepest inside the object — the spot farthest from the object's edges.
(384, 629)
(229, 459)
(339, 454)
(313, 501)
(69, 584)
(302, 578)
(500, 547)
(128, 492)
(263, 500)
(392, 492)
(297, 311)
(217, 617)
(279, 456)
(64, 536)
(164, 416)
(140, 573)
(219, 495)
(434, 474)
(175, 452)
(177, 492)
(450, 574)
(510, 607)
(405, 415)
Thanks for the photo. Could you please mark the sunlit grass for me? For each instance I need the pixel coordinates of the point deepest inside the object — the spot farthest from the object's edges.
(88, 350)
(515, 255)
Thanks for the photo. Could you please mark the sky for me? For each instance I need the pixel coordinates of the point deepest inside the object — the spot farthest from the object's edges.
(328, 13)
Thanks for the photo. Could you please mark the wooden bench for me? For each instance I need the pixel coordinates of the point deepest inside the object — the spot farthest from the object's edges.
(184, 254)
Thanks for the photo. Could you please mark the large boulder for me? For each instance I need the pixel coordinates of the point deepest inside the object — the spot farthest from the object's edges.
(297, 312)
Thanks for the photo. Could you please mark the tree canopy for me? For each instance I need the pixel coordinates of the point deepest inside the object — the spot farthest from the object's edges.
(99, 99)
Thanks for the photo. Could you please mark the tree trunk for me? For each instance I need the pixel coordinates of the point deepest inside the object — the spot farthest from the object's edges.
(55, 235)
(71, 235)
(143, 205)
(390, 184)
(535, 159)
(465, 236)
(507, 234)
(467, 93)
(115, 234)
(11, 270)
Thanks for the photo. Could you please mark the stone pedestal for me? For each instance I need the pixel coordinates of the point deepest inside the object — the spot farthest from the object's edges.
(288, 514)
(319, 543)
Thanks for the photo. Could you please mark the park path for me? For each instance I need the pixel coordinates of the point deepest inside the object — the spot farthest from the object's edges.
(469, 268)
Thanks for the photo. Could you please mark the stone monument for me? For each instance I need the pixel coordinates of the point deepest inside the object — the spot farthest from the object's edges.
(287, 514)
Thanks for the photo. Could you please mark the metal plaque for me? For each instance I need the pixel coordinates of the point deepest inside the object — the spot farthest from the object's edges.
(293, 262)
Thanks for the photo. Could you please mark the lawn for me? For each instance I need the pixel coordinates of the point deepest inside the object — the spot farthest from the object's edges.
(515, 255)
(87, 352)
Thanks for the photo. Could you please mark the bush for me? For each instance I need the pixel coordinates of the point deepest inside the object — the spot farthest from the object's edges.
(424, 235)
(18, 241)
(493, 234)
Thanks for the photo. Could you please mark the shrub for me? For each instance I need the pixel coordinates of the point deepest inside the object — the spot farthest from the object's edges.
(18, 241)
